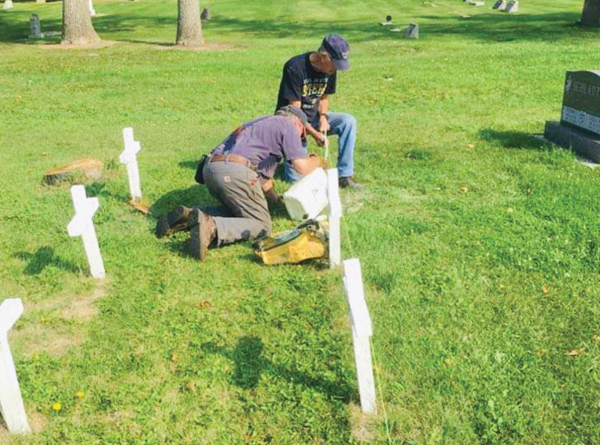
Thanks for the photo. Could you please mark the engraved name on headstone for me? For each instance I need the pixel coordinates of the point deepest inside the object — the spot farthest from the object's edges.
(11, 401)
(581, 101)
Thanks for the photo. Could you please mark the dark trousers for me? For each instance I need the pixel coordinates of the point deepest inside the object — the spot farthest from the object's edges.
(238, 188)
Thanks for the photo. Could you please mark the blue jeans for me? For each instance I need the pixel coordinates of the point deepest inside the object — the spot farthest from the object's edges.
(344, 126)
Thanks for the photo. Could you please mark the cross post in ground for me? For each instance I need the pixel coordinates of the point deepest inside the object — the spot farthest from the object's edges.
(129, 158)
(11, 402)
(335, 213)
(361, 333)
(82, 225)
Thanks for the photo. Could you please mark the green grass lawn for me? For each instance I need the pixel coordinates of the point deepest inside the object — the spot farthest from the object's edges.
(480, 245)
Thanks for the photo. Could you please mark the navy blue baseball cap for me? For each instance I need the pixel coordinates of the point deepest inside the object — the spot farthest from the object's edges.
(339, 50)
(295, 111)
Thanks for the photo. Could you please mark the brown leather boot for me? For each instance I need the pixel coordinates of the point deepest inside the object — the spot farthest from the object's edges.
(203, 230)
(174, 221)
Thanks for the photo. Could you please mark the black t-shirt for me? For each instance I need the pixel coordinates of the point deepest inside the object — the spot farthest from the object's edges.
(301, 81)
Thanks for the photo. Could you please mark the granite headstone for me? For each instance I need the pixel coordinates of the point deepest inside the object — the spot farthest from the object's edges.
(512, 6)
(579, 126)
(35, 29)
(500, 5)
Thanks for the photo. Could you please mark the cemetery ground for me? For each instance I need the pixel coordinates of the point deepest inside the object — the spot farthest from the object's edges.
(479, 244)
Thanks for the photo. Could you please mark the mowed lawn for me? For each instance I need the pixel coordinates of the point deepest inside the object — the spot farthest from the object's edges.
(480, 244)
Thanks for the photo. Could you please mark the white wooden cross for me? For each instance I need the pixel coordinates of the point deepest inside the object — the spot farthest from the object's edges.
(92, 10)
(335, 213)
(11, 402)
(129, 158)
(82, 225)
(361, 333)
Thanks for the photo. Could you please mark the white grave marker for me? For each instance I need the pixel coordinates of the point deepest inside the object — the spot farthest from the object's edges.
(82, 225)
(361, 332)
(92, 10)
(129, 158)
(11, 402)
(335, 213)
(8, 4)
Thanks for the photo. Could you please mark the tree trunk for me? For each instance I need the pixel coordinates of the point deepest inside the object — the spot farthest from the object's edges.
(189, 27)
(591, 13)
(77, 23)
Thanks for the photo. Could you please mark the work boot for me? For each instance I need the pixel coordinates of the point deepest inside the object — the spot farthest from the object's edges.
(174, 221)
(350, 183)
(203, 230)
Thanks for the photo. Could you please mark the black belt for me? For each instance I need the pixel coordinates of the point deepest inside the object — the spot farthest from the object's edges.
(233, 158)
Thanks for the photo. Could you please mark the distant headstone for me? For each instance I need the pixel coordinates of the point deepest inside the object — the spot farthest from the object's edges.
(579, 127)
(92, 10)
(476, 3)
(500, 5)
(35, 30)
(11, 401)
(80, 169)
(387, 21)
(82, 225)
(40, 1)
(412, 32)
(513, 6)
(205, 15)
(8, 4)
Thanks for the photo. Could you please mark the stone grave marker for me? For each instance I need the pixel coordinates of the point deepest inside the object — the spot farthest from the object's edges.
(129, 159)
(82, 225)
(579, 127)
(500, 5)
(412, 32)
(205, 15)
(335, 213)
(92, 10)
(8, 4)
(513, 6)
(11, 401)
(387, 21)
(35, 29)
(361, 333)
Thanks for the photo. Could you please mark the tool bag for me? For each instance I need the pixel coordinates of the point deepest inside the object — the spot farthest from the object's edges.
(304, 242)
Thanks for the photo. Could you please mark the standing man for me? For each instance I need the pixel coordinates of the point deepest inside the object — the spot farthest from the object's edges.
(307, 82)
(238, 173)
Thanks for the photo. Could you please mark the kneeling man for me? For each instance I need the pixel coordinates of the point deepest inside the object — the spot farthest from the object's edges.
(238, 173)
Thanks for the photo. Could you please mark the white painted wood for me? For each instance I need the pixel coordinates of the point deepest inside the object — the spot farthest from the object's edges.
(92, 10)
(353, 283)
(129, 158)
(82, 225)
(364, 372)
(11, 401)
(335, 213)
(361, 332)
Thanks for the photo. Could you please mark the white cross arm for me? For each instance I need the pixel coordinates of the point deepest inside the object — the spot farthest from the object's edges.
(132, 147)
(353, 284)
(10, 311)
(83, 219)
(333, 193)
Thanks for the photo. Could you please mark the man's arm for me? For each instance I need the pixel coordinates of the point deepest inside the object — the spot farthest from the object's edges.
(323, 108)
(306, 165)
(319, 137)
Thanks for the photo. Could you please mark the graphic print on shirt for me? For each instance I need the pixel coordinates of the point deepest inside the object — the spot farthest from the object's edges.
(312, 89)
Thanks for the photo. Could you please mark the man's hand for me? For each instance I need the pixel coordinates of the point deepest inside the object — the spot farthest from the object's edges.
(324, 126)
(320, 138)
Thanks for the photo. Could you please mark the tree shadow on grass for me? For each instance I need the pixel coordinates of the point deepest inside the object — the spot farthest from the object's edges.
(42, 258)
(250, 364)
(513, 139)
